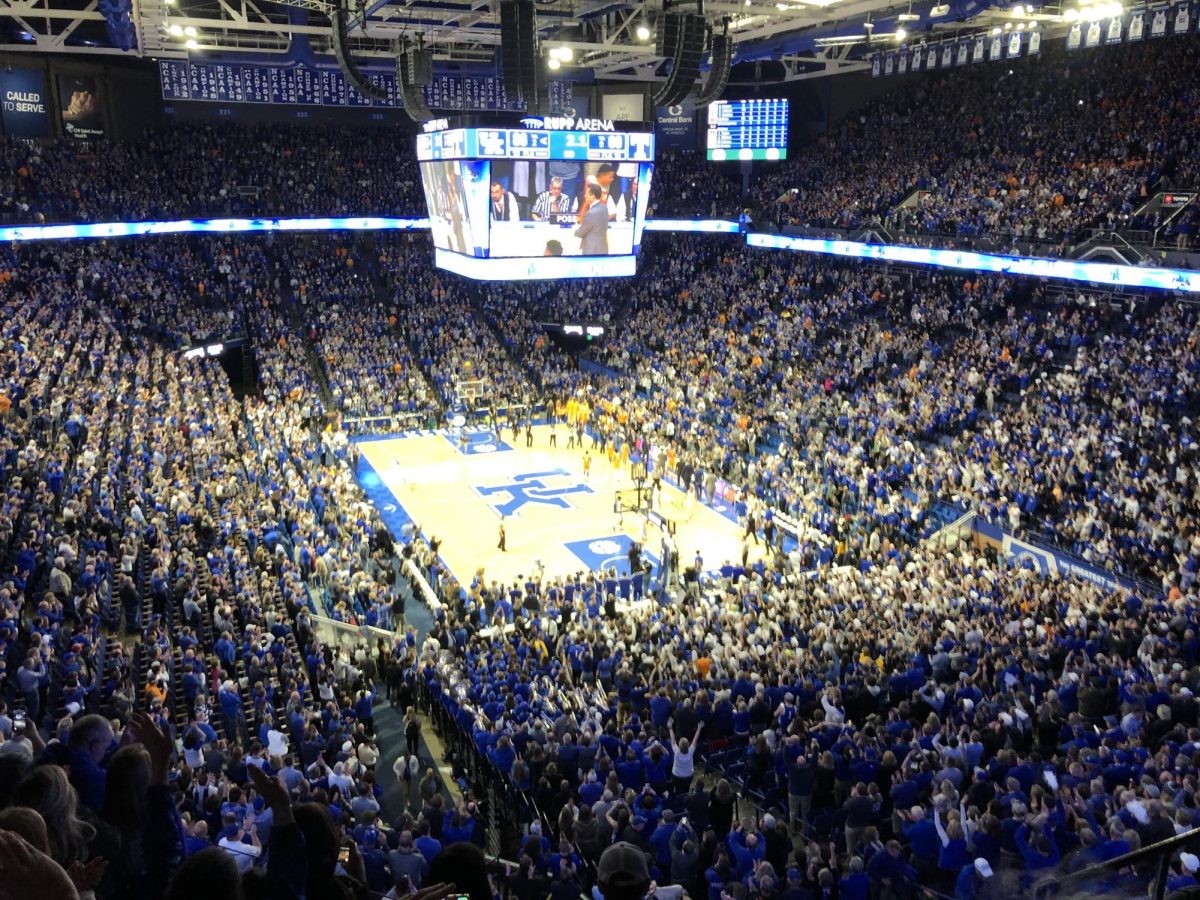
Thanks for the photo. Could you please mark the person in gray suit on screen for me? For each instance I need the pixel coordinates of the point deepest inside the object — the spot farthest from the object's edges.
(593, 224)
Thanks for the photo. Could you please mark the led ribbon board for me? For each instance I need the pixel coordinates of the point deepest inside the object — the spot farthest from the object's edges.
(101, 230)
(1037, 267)
(205, 226)
(706, 226)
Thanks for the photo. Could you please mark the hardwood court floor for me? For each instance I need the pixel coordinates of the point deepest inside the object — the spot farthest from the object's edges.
(553, 513)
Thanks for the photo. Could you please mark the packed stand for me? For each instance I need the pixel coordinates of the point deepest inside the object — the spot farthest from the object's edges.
(194, 170)
(375, 382)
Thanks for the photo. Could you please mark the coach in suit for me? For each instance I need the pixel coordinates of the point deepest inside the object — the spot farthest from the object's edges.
(504, 205)
(593, 224)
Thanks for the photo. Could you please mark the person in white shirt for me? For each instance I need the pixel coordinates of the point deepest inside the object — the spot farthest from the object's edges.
(243, 854)
(683, 761)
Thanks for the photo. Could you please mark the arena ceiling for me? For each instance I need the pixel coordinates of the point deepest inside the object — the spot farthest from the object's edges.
(812, 38)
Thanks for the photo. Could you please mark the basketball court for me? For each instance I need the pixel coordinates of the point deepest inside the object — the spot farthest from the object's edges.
(457, 487)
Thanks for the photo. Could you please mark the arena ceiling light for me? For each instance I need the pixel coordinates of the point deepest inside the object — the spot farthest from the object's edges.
(175, 30)
(901, 34)
(841, 40)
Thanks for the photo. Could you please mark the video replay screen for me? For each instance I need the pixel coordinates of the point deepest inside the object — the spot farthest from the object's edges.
(537, 197)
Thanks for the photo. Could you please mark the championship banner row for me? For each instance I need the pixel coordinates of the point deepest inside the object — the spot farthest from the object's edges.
(303, 86)
(1132, 25)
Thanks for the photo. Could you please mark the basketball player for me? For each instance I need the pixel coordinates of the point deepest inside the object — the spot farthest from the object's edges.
(751, 522)
(553, 433)
(587, 464)
(529, 433)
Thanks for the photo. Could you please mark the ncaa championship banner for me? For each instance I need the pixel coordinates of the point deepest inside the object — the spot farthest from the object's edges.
(25, 103)
(675, 126)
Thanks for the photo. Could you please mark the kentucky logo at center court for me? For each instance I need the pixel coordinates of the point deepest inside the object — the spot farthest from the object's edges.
(531, 487)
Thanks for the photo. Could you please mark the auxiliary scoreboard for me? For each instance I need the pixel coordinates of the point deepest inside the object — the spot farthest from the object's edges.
(747, 129)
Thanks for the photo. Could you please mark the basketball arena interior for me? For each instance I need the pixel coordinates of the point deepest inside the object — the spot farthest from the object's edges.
(611, 449)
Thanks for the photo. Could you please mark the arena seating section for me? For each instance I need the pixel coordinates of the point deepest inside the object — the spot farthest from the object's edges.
(169, 537)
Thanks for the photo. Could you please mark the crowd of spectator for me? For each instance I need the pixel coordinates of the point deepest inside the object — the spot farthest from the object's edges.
(1041, 151)
(194, 170)
(844, 709)
(373, 375)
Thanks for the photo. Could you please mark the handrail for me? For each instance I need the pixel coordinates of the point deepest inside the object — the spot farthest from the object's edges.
(1162, 852)
(427, 593)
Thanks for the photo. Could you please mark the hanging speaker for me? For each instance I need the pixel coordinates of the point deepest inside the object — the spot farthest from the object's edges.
(520, 64)
(340, 20)
(718, 75)
(420, 66)
(689, 51)
(509, 59)
(410, 94)
(666, 37)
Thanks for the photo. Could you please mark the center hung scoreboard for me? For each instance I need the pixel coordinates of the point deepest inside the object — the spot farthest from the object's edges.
(530, 197)
(747, 129)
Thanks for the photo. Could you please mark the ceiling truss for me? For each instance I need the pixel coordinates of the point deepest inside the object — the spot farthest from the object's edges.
(601, 33)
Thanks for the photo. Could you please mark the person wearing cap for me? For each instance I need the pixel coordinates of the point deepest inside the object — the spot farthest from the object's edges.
(375, 861)
(777, 843)
(1182, 876)
(975, 881)
(622, 873)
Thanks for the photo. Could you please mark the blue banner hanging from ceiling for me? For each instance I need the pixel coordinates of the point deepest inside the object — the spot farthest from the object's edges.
(26, 103)
(675, 126)
(302, 86)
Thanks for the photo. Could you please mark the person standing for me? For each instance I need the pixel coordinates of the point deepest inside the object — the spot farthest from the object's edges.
(593, 226)
(502, 536)
(412, 730)
(683, 761)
